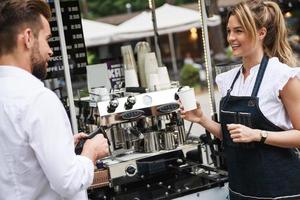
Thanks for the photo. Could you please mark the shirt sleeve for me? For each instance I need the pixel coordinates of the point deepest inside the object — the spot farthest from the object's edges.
(220, 84)
(51, 139)
(285, 75)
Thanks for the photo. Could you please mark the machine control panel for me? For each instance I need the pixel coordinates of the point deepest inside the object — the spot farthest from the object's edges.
(121, 109)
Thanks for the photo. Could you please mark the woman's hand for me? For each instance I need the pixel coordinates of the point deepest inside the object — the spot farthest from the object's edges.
(243, 134)
(193, 115)
(78, 137)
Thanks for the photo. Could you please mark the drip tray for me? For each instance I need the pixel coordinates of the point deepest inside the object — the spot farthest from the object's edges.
(166, 187)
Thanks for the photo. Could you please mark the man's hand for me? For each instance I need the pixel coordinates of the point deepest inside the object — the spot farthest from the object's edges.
(95, 148)
(78, 137)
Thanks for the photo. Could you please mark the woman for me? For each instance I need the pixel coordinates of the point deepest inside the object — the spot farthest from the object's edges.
(260, 106)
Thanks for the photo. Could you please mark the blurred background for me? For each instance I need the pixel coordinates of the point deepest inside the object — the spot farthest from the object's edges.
(108, 25)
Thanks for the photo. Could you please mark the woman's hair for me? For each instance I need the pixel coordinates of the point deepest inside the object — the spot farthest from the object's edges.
(256, 14)
(17, 14)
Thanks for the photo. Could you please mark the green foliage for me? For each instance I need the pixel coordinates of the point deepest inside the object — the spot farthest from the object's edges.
(100, 8)
(91, 57)
(189, 76)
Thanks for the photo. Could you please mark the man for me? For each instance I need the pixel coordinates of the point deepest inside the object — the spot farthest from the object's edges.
(37, 158)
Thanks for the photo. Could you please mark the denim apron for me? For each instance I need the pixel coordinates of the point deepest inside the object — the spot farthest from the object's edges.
(256, 171)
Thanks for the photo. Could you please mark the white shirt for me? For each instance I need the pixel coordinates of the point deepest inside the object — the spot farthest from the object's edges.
(276, 76)
(37, 158)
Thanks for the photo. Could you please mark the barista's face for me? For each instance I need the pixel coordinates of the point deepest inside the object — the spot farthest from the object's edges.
(41, 51)
(238, 38)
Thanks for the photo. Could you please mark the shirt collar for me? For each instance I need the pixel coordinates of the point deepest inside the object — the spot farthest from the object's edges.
(253, 69)
(14, 71)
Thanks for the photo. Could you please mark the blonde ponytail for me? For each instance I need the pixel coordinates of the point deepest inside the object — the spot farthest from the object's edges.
(276, 42)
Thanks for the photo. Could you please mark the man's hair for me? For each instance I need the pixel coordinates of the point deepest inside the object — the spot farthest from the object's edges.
(16, 15)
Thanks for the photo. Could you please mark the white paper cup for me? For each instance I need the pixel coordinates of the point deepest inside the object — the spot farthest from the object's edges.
(131, 79)
(188, 99)
(99, 94)
(141, 49)
(151, 66)
(128, 57)
(164, 78)
(153, 82)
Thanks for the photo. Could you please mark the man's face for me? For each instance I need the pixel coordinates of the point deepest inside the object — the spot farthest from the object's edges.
(41, 51)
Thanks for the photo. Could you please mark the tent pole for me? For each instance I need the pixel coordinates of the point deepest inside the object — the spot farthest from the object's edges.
(173, 55)
(66, 65)
(210, 82)
(156, 42)
(207, 58)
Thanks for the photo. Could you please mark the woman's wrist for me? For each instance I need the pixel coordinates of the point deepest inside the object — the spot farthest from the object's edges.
(201, 120)
(257, 135)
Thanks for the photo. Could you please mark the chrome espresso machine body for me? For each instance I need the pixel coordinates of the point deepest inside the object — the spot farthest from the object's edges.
(148, 151)
(144, 123)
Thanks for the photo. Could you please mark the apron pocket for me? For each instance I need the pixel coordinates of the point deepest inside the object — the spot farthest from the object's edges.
(244, 118)
(228, 117)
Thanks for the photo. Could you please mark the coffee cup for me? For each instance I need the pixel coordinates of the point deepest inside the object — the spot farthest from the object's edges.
(99, 94)
(187, 98)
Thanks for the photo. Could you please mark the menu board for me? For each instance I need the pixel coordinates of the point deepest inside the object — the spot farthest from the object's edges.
(74, 40)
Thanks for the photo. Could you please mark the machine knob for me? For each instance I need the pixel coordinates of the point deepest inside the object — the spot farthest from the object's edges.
(130, 170)
(130, 102)
(113, 104)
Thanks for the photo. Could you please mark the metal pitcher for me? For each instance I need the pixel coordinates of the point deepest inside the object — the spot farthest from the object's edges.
(168, 140)
(151, 142)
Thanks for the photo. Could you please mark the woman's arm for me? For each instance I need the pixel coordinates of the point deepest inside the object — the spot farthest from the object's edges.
(290, 96)
(197, 116)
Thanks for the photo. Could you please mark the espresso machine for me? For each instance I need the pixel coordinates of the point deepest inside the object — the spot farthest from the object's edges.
(143, 123)
(149, 150)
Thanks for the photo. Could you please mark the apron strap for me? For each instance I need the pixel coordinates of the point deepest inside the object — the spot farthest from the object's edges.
(232, 84)
(260, 75)
(230, 89)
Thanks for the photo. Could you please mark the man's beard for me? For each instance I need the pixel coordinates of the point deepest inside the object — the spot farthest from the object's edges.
(39, 66)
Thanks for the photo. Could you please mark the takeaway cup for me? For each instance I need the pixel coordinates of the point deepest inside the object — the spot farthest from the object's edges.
(131, 79)
(164, 78)
(187, 98)
(141, 49)
(153, 82)
(99, 94)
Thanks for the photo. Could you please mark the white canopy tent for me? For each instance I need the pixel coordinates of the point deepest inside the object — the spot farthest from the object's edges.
(170, 19)
(97, 33)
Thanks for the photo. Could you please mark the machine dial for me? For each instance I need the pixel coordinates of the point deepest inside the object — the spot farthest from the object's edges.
(113, 104)
(131, 100)
(130, 170)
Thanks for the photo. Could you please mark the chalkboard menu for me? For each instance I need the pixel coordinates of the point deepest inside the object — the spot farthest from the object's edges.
(74, 40)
